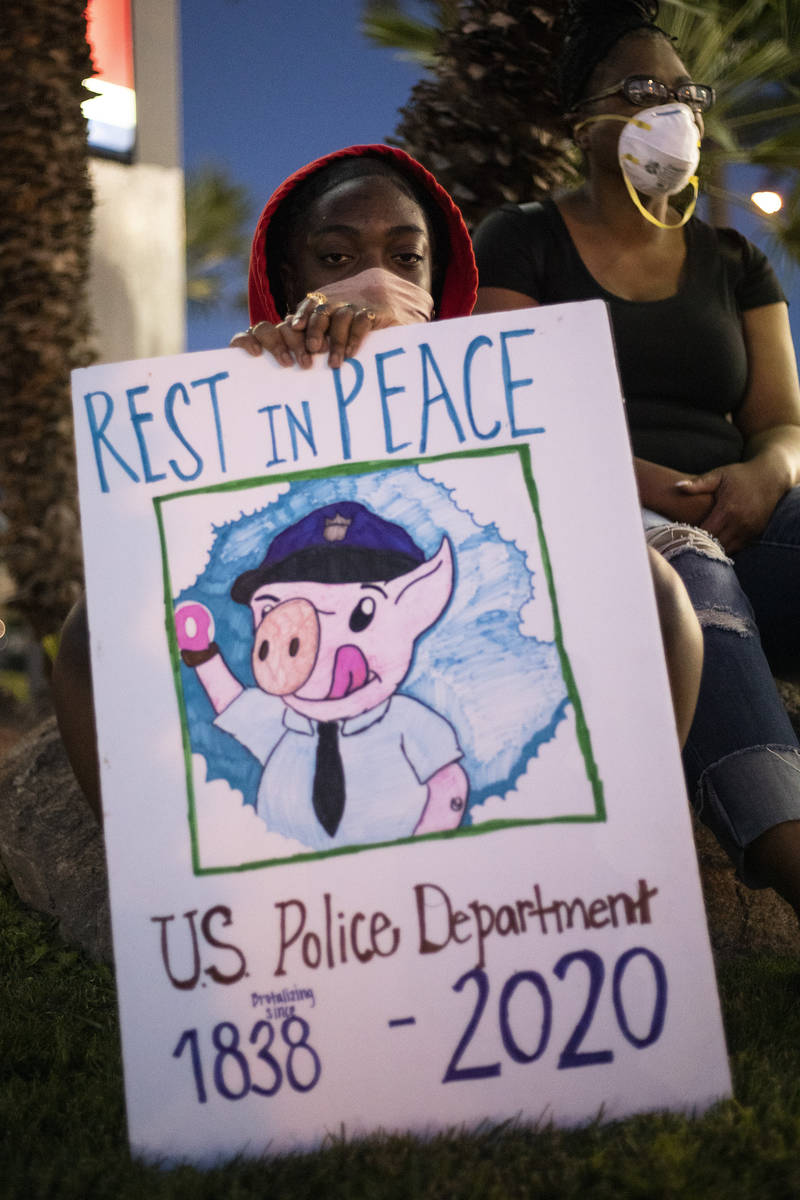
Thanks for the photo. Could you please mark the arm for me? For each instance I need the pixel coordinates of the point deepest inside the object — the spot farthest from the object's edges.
(497, 299)
(219, 683)
(447, 799)
(511, 250)
(194, 630)
(745, 494)
(682, 638)
(659, 490)
(657, 485)
(72, 696)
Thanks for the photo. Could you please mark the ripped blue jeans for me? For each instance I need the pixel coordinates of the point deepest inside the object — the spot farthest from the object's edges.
(742, 757)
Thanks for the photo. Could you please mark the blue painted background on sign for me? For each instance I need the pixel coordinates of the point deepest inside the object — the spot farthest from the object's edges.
(503, 691)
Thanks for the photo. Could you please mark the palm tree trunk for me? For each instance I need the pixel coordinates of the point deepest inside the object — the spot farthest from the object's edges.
(45, 224)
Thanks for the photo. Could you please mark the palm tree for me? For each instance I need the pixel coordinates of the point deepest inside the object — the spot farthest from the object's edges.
(750, 52)
(485, 117)
(44, 326)
(218, 227)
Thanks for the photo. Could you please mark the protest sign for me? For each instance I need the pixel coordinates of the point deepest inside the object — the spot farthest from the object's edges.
(395, 819)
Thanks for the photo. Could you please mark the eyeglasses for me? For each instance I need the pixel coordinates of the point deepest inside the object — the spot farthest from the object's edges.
(644, 90)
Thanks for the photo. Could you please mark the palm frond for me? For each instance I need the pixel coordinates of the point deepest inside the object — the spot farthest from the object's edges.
(781, 112)
(217, 234)
(750, 52)
(386, 24)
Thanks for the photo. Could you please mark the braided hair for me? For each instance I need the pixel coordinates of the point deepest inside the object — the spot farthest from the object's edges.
(589, 29)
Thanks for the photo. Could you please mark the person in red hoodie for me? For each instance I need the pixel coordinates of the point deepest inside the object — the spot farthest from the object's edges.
(360, 239)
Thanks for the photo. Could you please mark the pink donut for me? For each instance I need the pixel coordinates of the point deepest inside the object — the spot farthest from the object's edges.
(194, 626)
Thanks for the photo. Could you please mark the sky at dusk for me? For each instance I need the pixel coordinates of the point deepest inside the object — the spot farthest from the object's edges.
(269, 85)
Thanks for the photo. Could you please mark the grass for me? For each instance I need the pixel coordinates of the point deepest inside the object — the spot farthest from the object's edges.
(62, 1124)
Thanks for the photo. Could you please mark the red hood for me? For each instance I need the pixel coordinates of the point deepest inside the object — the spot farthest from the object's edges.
(461, 277)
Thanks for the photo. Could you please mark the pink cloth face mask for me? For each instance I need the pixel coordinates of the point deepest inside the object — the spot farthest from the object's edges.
(377, 288)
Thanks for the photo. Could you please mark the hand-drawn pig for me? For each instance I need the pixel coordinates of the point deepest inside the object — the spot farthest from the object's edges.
(338, 604)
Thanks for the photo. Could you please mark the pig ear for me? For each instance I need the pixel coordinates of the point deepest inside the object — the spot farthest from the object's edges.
(422, 595)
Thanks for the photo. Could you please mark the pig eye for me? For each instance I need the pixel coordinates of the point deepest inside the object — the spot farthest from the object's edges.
(362, 614)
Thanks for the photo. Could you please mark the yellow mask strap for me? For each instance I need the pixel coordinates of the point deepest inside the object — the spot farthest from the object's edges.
(690, 207)
(613, 117)
(634, 195)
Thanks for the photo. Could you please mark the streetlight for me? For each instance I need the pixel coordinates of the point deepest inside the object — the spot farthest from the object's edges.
(768, 202)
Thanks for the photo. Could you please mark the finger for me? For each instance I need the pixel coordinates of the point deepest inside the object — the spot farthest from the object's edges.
(729, 537)
(295, 341)
(702, 484)
(339, 333)
(363, 321)
(317, 326)
(726, 528)
(713, 524)
(246, 341)
(305, 308)
(272, 338)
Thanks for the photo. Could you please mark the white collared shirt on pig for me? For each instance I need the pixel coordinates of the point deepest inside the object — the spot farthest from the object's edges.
(399, 745)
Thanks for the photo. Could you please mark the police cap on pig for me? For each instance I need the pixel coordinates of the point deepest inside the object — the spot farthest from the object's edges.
(340, 543)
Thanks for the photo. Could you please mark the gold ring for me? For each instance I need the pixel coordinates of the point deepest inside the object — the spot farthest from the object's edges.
(317, 297)
(257, 325)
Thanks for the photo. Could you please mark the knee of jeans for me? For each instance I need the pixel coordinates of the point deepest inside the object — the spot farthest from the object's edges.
(716, 596)
(675, 539)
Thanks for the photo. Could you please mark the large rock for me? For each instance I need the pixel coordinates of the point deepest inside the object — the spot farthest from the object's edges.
(51, 844)
(790, 695)
(739, 918)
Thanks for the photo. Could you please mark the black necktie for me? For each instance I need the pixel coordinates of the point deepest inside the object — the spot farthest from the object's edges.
(328, 792)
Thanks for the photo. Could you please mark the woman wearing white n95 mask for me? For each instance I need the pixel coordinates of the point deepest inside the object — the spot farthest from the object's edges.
(712, 400)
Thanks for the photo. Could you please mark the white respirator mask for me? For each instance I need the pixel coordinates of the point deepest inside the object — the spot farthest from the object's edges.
(658, 154)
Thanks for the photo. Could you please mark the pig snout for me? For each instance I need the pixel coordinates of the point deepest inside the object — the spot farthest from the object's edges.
(286, 646)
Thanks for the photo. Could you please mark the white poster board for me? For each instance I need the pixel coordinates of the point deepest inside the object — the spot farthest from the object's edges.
(279, 979)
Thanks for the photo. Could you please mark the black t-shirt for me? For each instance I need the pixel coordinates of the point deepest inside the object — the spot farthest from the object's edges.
(682, 361)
